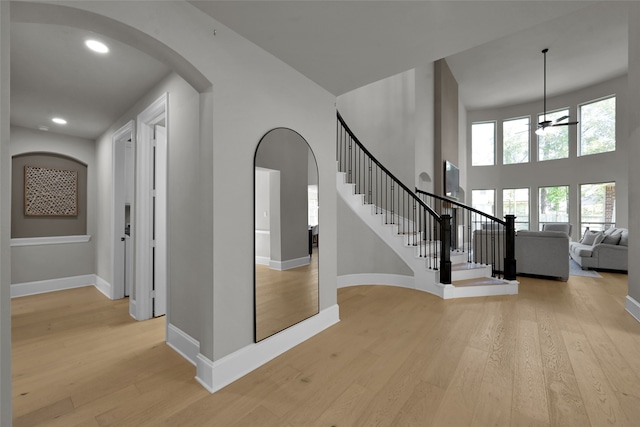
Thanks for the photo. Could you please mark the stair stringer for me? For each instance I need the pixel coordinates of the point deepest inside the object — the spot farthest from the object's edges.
(427, 280)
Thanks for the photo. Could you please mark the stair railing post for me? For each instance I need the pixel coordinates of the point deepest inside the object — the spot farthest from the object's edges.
(510, 248)
(445, 250)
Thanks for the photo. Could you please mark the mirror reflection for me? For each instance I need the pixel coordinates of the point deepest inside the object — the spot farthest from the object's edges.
(286, 232)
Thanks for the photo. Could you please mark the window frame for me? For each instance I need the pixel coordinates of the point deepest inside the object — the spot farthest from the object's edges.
(528, 222)
(568, 209)
(581, 124)
(541, 117)
(605, 225)
(495, 137)
(527, 133)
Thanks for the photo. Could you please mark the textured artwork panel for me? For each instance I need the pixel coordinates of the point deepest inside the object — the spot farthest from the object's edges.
(50, 192)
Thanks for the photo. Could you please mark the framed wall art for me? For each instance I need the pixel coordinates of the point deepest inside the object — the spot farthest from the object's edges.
(50, 192)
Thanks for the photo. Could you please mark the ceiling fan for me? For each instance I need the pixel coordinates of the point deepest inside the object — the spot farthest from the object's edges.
(544, 125)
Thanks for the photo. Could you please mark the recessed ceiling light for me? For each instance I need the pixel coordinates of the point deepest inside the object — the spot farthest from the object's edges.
(43, 128)
(96, 46)
(59, 121)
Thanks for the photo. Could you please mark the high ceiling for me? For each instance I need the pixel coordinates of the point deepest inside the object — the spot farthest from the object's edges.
(492, 47)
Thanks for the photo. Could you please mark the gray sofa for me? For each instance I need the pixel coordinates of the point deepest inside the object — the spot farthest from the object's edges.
(602, 250)
(542, 253)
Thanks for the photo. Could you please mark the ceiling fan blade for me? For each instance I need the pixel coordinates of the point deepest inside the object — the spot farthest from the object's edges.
(564, 124)
(559, 119)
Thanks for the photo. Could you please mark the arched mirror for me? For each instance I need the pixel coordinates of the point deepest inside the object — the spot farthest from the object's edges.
(286, 232)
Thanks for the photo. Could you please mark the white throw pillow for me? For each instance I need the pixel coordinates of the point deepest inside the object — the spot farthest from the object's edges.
(589, 237)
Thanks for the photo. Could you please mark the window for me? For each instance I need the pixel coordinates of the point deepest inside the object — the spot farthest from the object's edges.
(515, 201)
(515, 141)
(597, 206)
(483, 143)
(484, 201)
(598, 126)
(554, 204)
(555, 143)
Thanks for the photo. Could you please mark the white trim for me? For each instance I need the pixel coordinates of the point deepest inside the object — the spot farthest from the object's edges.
(52, 285)
(215, 375)
(52, 240)
(376, 279)
(143, 206)
(184, 344)
(633, 307)
(290, 263)
(133, 309)
(104, 287)
(262, 260)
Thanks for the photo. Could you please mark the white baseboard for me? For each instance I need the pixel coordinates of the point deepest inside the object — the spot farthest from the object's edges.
(184, 344)
(215, 375)
(290, 263)
(633, 307)
(376, 279)
(103, 286)
(42, 286)
(133, 308)
(262, 260)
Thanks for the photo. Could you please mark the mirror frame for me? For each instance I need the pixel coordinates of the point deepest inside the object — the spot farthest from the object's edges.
(255, 302)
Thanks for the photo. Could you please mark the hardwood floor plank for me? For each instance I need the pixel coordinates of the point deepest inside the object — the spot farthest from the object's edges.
(565, 402)
(496, 390)
(600, 400)
(459, 401)
(529, 393)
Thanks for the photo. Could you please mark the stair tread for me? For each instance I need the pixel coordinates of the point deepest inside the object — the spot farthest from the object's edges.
(482, 281)
(467, 266)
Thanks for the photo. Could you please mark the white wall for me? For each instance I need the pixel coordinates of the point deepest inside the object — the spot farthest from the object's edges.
(252, 92)
(53, 260)
(381, 115)
(361, 250)
(634, 150)
(424, 127)
(573, 171)
(183, 191)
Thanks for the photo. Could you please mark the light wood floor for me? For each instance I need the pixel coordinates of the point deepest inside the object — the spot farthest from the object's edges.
(559, 354)
(284, 298)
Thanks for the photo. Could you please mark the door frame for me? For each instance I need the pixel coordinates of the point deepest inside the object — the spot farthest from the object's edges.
(119, 140)
(143, 245)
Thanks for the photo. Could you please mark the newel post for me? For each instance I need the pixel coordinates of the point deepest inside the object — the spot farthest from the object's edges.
(510, 249)
(445, 250)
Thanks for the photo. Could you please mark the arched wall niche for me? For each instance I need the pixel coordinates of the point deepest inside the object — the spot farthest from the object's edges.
(23, 225)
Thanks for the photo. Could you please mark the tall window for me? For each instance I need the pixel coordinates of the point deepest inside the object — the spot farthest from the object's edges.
(598, 126)
(484, 201)
(554, 204)
(483, 143)
(515, 201)
(515, 141)
(597, 206)
(555, 143)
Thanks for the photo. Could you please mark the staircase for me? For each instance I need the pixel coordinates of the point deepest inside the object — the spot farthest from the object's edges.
(411, 228)
(423, 256)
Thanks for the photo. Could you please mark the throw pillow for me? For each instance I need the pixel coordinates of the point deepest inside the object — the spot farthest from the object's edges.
(589, 237)
(599, 238)
(624, 238)
(612, 239)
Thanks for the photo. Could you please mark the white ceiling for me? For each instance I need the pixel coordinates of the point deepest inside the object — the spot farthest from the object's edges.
(54, 74)
(492, 47)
